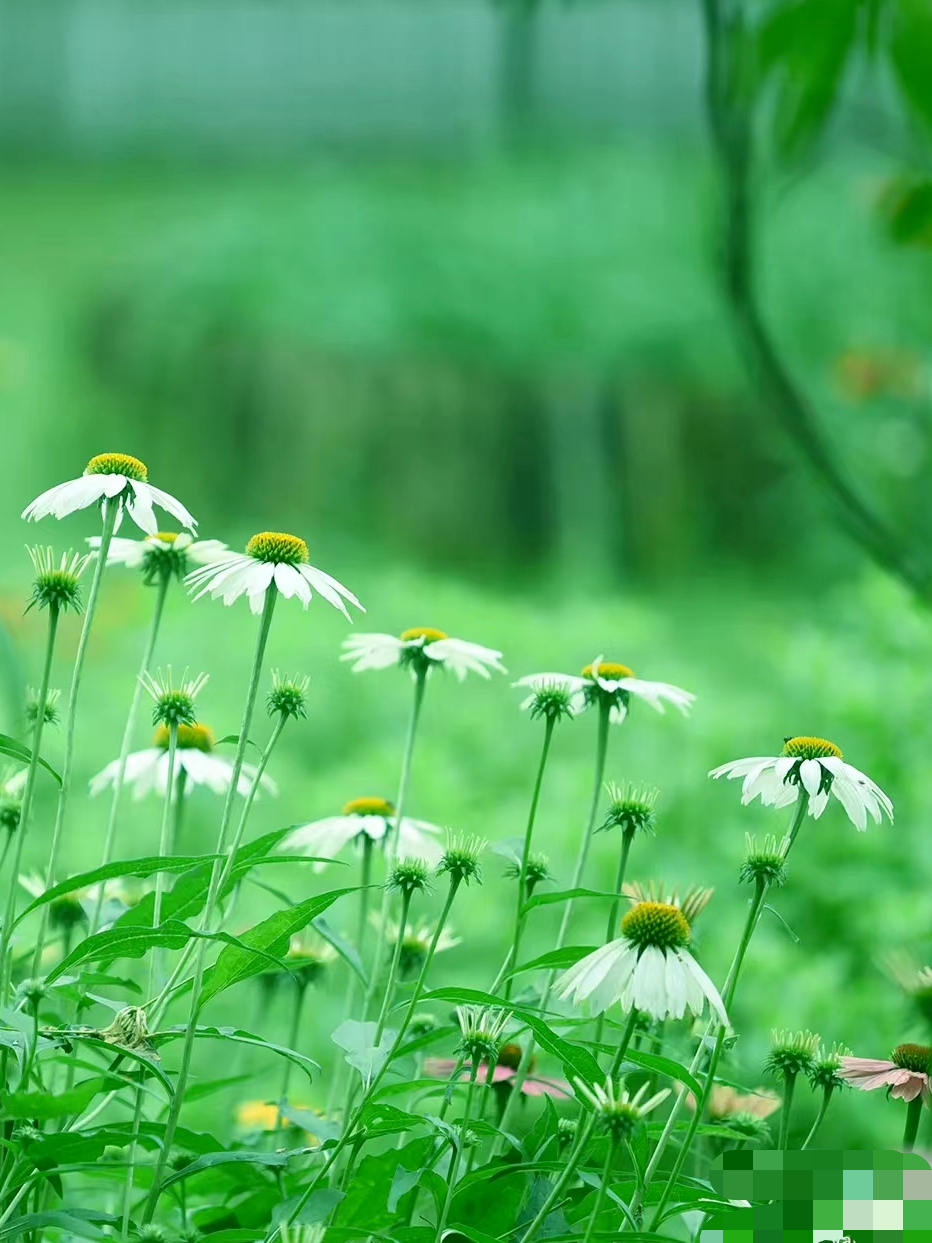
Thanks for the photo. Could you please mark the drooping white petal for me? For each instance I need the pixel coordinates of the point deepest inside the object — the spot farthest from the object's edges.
(331, 590)
(708, 988)
(139, 508)
(287, 579)
(740, 768)
(657, 694)
(65, 498)
(324, 838)
(585, 977)
(113, 485)
(649, 984)
(171, 505)
(810, 774)
(372, 651)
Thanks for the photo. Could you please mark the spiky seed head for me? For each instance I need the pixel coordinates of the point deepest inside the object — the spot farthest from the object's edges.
(32, 992)
(57, 583)
(173, 705)
(66, 912)
(538, 871)
(28, 1134)
(792, 1053)
(748, 1125)
(566, 1131)
(913, 1057)
(461, 859)
(692, 903)
(631, 809)
(422, 1023)
(117, 464)
(550, 701)
(179, 1158)
(278, 548)
(50, 714)
(288, 696)
(409, 876)
(165, 556)
(825, 1067)
(11, 809)
(806, 747)
(481, 1030)
(369, 805)
(196, 737)
(765, 863)
(152, 1232)
(657, 924)
(620, 1114)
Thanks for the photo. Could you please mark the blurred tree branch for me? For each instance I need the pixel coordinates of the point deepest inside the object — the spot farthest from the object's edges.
(730, 99)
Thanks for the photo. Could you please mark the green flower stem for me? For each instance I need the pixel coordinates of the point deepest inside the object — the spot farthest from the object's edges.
(601, 750)
(217, 876)
(390, 983)
(420, 685)
(377, 1078)
(457, 1156)
(10, 908)
(362, 928)
(911, 1129)
(600, 1193)
(110, 508)
(556, 1191)
(728, 993)
(131, 1168)
(823, 1110)
(300, 991)
(627, 838)
(164, 839)
(623, 1045)
(511, 958)
(180, 791)
(128, 731)
(789, 1087)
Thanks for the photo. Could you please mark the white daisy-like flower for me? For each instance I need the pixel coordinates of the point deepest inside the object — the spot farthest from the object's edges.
(371, 817)
(147, 771)
(648, 968)
(167, 552)
(816, 766)
(272, 558)
(421, 649)
(604, 681)
(106, 476)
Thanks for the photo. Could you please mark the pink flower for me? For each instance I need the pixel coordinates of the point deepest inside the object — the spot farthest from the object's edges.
(906, 1075)
(503, 1072)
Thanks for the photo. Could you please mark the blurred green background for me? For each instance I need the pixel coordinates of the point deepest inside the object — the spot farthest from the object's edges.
(438, 288)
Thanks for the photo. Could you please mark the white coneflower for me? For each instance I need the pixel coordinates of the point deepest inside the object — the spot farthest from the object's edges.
(648, 968)
(371, 817)
(618, 1112)
(108, 476)
(147, 770)
(421, 649)
(166, 553)
(611, 684)
(272, 558)
(816, 765)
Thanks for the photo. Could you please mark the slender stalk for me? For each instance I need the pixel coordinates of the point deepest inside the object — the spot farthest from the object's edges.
(174, 836)
(362, 928)
(300, 990)
(217, 874)
(728, 993)
(789, 1087)
(823, 1110)
(110, 508)
(911, 1129)
(627, 838)
(164, 838)
(601, 750)
(456, 1160)
(10, 908)
(377, 1078)
(128, 731)
(600, 1193)
(563, 1181)
(131, 1167)
(420, 685)
(511, 958)
(389, 995)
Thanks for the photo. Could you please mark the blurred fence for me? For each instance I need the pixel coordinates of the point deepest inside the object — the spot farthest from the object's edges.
(119, 76)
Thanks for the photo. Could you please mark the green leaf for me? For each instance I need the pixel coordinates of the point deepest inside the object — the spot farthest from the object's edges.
(911, 54)
(555, 960)
(343, 947)
(209, 1160)
(81, 1222)
(357, 1039)
(564, 895)
(125, 867)
(237, 1036)
(805, 46)
(42, 1106)
(19, 751)
(272, 936)
(664, 1066)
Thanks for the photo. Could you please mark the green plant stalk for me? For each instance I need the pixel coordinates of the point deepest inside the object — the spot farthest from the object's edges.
(823, 1110)
(377, 1078)
(728, 993)
(216, 879)
(600, 1193)
(610, 932)
(569, 1171)
(128, 732)
(789, 1087)
(362, 927)
(131, 1168)
(295, 1031)
(457, 1156)
(390, 983)
(10, 908)
(601, 750)
(911, 1129)
(420, 685)
(511, 958)
(111, 507)
(180, 791)
(164, 843)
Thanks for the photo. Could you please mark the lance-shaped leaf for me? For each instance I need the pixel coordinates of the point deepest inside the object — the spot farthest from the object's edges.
(237, 1036)
(19, 751)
